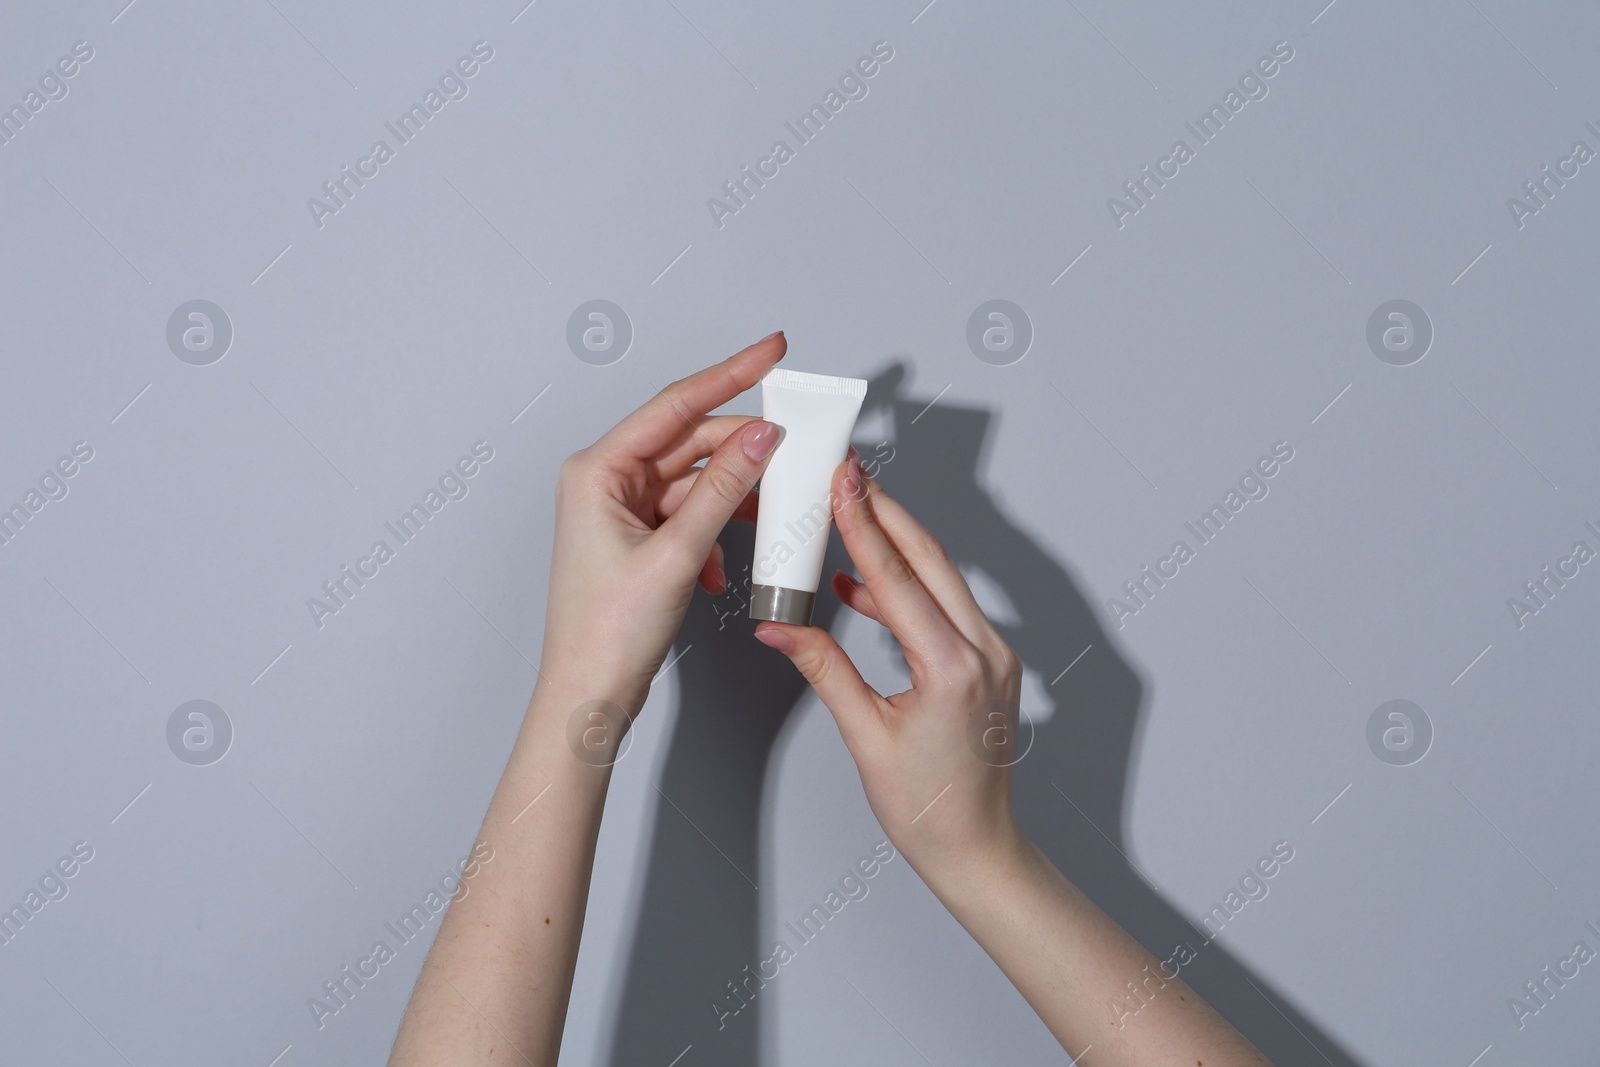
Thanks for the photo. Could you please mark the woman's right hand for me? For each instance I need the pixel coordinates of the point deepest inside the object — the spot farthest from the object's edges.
(934, 759)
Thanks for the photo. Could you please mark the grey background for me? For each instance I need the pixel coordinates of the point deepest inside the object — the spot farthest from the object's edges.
(367, 355)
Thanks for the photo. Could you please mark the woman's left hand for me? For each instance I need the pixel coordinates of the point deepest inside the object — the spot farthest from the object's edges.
(637, 524)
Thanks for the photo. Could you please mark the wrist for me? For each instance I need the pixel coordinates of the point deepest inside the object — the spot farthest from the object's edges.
(579, 664)
(975, 871)
(559, 695)
(574, 732)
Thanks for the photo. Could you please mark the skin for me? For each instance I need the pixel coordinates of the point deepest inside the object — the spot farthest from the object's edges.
(636, 528)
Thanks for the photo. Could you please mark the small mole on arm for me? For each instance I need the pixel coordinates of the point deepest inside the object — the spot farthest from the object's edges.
(547, 920)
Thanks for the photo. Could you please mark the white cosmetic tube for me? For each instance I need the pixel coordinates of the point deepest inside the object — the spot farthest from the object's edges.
(817, 413)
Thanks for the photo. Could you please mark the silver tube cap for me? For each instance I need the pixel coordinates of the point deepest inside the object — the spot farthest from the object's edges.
(774, 603)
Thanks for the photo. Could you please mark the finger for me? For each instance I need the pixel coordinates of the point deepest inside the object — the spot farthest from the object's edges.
(906, 607)
(722, 485)
(932, 564)
(714, 576)
(670, 497)
(855, 596)
(695, 443)
(661, 419)
(856, 706)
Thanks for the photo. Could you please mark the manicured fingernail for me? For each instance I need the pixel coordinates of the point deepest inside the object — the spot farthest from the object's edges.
(770, 336)
(853, 453)
(759, 440)
(852, 477)
(775, 639)
(719, 580)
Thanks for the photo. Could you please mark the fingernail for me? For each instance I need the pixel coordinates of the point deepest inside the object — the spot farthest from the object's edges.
(852, 477)
(775, 639)
(853, 453)
(760, 440)
(770, 336)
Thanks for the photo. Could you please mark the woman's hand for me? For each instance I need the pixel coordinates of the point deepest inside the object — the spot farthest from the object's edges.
(934, 759)
(637, 525)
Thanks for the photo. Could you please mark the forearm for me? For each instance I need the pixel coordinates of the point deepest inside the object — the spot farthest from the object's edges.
(637, 520)
(1090, 982)
(495, 985)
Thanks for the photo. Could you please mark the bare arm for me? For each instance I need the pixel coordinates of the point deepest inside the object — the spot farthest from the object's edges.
(1092, 984)
(636, 528)
(495, 985)
(946, 804)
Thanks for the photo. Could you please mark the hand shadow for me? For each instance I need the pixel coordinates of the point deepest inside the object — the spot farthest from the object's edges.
(699, 921)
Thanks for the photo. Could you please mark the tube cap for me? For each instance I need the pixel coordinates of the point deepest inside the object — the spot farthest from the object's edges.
(774, 603)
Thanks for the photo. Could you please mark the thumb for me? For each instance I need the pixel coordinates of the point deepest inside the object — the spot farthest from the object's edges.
(720, 488)
(820, 660)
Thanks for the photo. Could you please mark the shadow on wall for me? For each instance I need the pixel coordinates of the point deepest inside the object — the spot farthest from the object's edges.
(699, 921)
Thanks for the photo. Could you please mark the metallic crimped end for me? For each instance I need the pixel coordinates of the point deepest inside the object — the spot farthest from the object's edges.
(777, 604)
